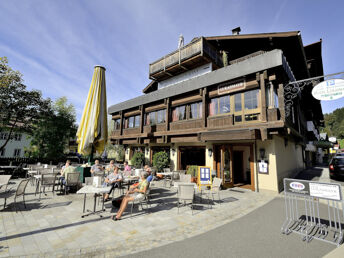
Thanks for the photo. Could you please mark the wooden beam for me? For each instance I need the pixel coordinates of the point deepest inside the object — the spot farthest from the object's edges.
(281, 104)
(204, 107)
(121, 125)
(184, 139)
(168, 111)
(141, 118)
(262, 97)
(264, 133)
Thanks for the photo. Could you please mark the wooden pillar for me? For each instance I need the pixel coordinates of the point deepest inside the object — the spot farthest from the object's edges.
(121, 124)
(141, 118)
(262, 96)
(252, 168)
(204, 107)
(168, 111)
(281, 104)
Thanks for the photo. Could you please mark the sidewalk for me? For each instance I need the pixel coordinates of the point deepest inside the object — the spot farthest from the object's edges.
(54, 227)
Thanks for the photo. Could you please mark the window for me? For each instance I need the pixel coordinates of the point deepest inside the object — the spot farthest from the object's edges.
(251, 99)
(132, 122)
(17, 137)
(16, 152)
(117, 124)
(237, 101)
(220, 105)
(178, 113)
(251, 117)
(156, 117)
(196, 110)
(3, 136)
(2, 152)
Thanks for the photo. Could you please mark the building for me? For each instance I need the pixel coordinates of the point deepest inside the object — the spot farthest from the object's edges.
(226, 102)
(15, 148)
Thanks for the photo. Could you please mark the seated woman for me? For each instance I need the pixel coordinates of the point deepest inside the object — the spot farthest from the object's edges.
(136, 193)
(114, 180)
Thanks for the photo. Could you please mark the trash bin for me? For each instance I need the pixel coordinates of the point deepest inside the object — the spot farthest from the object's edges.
(84, 172)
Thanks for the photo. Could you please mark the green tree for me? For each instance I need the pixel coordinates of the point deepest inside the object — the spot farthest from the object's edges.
(115, 151)
(19, 108)
(334, 123)
(51, 134)
(161, 160)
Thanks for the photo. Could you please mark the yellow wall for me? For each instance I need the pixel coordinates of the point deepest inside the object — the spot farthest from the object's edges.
(267, 181)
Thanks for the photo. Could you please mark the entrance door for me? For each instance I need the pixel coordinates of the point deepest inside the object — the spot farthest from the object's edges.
(235, 167)
(238, 167)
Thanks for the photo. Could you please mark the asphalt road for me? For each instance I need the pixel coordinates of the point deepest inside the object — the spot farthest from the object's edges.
(257, 234)
(254, 235)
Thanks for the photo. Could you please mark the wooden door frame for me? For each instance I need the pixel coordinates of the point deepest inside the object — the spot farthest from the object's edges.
(220, 147)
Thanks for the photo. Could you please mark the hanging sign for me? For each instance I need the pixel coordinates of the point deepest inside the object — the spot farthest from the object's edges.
(204, 176)
(329, 90)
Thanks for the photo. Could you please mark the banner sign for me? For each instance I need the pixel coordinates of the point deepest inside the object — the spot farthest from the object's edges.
(313, 189)
(329, 90)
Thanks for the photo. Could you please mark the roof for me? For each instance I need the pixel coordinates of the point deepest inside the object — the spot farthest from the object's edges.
(243, 44)
(252, 65)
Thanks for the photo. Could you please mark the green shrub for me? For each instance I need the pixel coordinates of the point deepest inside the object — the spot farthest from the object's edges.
(138, 160)
(161, 160)
(192, 170)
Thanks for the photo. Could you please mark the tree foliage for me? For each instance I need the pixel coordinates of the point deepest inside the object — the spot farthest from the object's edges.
(115, 152)
(161, 160)
(19, 108)
(52, 132)
(334, 123)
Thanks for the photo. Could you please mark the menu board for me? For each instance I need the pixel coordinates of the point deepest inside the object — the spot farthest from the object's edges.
(204, 176)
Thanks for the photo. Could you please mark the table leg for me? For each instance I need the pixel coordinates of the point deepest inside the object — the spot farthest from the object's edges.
(95, 202)
(83, 211)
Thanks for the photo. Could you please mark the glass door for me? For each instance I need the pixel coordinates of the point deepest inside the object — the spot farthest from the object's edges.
(226, 165)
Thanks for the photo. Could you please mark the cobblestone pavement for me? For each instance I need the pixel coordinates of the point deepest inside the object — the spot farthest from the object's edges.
(53, 227)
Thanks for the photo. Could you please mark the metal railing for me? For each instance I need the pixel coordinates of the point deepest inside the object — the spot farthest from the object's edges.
(304, 215)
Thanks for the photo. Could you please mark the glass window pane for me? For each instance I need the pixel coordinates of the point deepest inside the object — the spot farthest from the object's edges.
(251, 99)
(137, 121)
(237, 99)
(237, 118)
(131, 122)
(224, 105)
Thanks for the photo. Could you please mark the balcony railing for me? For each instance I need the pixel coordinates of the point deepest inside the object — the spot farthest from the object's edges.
(198, 47)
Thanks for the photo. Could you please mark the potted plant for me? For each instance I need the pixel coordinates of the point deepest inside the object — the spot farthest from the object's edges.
(192, 170)
(138, 159)
(161, 160)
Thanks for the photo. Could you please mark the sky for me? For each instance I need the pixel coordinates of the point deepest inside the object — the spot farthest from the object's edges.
(56, 44)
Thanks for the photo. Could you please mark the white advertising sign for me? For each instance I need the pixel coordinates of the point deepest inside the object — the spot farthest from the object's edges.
(263, 167)
(326, 191)
(329, 90)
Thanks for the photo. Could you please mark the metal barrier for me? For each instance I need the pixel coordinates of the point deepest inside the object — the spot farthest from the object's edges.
(303, 215)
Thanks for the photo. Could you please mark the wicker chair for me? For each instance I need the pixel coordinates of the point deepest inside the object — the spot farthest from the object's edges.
(47, 180)
(72, 180)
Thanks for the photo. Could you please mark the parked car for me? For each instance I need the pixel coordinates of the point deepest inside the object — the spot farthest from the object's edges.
(337, 167)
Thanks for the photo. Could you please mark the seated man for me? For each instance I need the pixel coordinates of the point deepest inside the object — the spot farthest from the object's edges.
(150, 174)
(63, 170)
(96, 167)
(109, 168)
(114, 179)
(136, 193)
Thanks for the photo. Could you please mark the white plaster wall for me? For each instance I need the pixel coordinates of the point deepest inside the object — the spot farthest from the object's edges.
(13, 144)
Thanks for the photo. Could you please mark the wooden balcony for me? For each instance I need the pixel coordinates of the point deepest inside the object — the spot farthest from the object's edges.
(154, 128)
(186, 124)
(220, 121)
(192, 55)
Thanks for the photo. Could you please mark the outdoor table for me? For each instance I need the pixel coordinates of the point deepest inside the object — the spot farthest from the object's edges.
(165, 173)
(130, 180)
(39, 177)
(184, 183)
(96, 191)
(7, 168)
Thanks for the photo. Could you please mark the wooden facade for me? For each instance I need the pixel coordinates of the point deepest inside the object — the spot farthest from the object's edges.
(232, 114)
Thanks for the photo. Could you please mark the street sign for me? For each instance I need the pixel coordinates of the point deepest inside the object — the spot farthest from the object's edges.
(329, 90)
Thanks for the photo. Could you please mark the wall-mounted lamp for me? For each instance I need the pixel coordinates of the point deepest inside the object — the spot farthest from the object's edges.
(127, 151)
(147, 150)
(173, 151)
(210, 152)
(262, 153)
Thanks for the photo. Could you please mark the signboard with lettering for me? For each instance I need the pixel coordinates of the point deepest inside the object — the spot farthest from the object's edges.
(329, 90)
(263, 167)
(204, 176)
(313, 189)
(229, 87)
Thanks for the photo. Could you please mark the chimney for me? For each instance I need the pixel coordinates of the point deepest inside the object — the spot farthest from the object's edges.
(236, 31)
